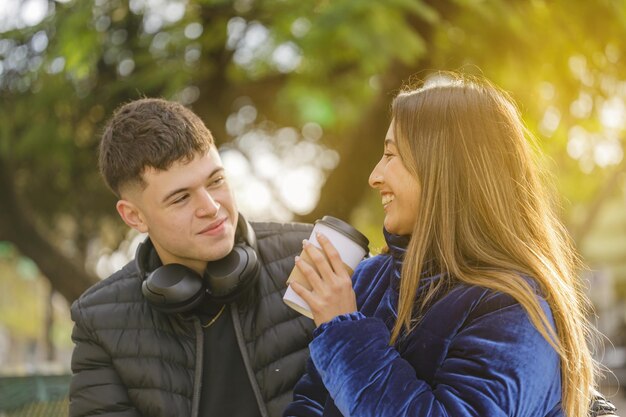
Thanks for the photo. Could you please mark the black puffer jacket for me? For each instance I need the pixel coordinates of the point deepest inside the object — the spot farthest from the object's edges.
(131, 360)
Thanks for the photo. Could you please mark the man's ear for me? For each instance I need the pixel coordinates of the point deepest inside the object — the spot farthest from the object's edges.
(132, 215)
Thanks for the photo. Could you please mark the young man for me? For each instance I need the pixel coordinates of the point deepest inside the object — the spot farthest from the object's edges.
(195, 325)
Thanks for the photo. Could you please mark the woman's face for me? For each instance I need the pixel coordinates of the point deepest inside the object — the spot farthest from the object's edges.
(399, 190)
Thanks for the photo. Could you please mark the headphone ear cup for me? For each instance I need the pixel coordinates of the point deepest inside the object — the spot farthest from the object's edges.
(173, 288)
(228, 277)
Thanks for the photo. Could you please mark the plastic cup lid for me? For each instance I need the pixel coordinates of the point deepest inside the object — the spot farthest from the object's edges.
(346, 229)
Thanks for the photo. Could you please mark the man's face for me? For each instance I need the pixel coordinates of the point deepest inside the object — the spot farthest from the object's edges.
(188, 211)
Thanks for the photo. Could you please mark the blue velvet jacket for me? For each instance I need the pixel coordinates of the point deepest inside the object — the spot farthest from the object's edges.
(474, 353)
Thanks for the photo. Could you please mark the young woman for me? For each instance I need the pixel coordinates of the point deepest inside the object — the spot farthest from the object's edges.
(476, 309)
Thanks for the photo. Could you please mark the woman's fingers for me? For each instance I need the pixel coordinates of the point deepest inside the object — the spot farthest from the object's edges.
(333, 256)
(319, 260)
(331, 292)
(304, 293)
(310, 274)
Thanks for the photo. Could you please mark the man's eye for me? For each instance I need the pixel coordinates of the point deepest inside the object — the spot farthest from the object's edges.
(218, 181)
(180, 199)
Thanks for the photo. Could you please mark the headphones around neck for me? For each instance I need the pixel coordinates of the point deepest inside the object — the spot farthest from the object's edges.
(175, 288)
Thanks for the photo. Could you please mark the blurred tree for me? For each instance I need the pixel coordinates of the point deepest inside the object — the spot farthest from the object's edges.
(335, 63)
(62, 77)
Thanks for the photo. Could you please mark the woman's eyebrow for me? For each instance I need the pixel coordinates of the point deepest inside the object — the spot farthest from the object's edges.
(390, 142)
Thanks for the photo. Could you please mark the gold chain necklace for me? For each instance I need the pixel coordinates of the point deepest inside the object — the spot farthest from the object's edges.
(214, 319)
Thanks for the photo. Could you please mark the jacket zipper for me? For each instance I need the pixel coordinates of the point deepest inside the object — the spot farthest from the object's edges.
(197, 383)
(246, 360)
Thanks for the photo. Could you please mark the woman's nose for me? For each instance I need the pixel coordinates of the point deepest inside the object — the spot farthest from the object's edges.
(376, 178)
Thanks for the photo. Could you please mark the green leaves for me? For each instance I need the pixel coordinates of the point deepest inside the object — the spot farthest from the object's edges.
(329, 62)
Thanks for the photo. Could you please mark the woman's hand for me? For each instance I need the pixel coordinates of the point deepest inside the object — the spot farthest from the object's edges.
(332, 293)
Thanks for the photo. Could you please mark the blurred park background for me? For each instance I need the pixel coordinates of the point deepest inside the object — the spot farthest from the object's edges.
(297, 95)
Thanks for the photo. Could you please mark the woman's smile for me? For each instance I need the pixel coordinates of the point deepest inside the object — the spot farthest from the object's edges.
(386, 199)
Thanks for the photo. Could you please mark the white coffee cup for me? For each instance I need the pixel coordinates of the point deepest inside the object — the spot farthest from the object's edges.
(351, 244)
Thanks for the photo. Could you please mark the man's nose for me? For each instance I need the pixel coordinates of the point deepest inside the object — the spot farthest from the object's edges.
(208, 206)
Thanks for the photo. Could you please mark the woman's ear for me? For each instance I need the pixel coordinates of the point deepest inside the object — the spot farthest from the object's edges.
(132, 215)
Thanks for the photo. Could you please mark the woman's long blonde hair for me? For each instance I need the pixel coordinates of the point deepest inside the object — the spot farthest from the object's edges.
(486, 219)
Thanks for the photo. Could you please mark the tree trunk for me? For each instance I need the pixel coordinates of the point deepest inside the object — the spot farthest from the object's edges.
(606, 191)
(50, 353)
(17, 227)
(347, 184)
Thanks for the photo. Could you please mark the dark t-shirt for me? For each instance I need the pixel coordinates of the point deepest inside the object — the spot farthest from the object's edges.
(226, 389)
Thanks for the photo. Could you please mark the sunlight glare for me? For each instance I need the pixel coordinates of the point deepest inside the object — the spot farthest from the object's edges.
(235, 164)
(608, 152)
(253, 43)
(577, 144)
(267, 165)
(582, 106)
(253, 198)
(550, 121)
(546, 91)
(312, 131)
(300, 189)
(287, 136)
(287, 57)
(193, 30)
(33, 11)
(17, 14)
(612, 113)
